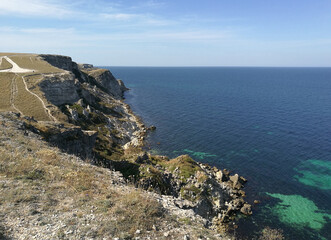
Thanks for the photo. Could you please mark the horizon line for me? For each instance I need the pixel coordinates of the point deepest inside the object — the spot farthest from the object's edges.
(215, 66)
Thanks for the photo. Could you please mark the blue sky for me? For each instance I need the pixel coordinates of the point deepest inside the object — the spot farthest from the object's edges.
(171, 33)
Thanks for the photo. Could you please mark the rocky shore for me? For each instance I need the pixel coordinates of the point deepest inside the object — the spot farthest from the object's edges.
(91, 121)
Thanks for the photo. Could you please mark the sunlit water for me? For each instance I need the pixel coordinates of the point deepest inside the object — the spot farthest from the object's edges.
(271, 125)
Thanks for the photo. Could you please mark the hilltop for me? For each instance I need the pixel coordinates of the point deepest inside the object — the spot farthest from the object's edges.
(74, 164)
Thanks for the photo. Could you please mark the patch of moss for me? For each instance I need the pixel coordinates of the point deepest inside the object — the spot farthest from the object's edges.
(186, 166)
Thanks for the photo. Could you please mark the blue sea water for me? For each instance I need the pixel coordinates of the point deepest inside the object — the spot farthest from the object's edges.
(271, 125)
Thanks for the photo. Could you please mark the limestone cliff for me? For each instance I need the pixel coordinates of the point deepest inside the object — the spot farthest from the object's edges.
(62, 62)
(60, 88)
(90, 98)
(79, 109)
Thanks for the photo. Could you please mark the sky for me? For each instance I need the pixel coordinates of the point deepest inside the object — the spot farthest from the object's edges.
(290, 33)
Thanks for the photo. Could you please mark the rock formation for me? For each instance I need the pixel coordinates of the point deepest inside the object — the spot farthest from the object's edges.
(92, 121)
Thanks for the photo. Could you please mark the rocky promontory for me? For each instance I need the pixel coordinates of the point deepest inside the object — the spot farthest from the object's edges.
(79, 110)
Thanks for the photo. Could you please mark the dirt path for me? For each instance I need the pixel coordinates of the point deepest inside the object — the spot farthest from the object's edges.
(15, 68)
(42, 102)
(14, 89)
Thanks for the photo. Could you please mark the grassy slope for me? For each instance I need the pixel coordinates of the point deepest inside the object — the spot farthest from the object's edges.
(5, 91)
(5, 64)
(32, 61)
(24, 101)
(46, 193)
(28, 103)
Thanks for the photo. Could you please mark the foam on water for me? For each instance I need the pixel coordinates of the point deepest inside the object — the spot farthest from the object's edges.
(315, 173)
(299, 211)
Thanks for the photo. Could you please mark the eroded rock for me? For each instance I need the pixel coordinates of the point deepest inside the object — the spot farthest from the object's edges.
(246, 209)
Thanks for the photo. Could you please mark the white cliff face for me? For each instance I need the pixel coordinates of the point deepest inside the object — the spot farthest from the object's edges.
(92, 96)
(62, 62)
(109, 83)
(60, 88)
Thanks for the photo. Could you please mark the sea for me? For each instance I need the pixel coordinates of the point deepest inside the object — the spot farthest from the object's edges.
(271, 125)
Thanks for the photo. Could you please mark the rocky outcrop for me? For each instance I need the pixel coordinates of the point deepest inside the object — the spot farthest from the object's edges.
(107, 81)
(59, 61)
(99, 126)
(60, 88)
(69, 138)
(48, 194)
(213, 194)
(84, 66)
(91, 97)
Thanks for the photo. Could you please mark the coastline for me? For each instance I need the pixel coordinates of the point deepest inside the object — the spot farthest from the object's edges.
(95, 124)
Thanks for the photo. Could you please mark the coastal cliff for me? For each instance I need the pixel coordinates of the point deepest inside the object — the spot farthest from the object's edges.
(79, 110)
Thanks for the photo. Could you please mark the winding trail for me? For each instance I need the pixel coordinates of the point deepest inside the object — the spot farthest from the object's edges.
(14, 89)
(42, 102)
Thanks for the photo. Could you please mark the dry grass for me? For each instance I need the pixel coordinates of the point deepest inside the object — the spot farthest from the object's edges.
(29, 104)
(5, 91)
(5, 64)
(94, 72)
(134, 212)
(24, 101)
(45, 177)
(44, 191)
(32, 82)
(34, 62)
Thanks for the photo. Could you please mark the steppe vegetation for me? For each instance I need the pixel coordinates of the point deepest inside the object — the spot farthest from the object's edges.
(58, 196)
(5, 64)
(15, 94)
(35, 63)
(6, 80)
(15, 97)
(28, 103)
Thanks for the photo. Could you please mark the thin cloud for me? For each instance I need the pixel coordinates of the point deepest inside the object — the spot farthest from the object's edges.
(8, 29)
(119, 16)
(153, 4)
(134, 20)
(36, 8)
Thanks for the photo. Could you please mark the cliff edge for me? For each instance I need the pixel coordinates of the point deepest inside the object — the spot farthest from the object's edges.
(79, 109)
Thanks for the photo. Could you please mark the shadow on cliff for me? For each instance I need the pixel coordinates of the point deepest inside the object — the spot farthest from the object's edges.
(128, 169)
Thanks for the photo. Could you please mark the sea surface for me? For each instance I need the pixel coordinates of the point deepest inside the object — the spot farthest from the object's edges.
(270, 125)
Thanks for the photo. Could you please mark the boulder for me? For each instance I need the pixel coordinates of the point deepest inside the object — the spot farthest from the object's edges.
(235, 180)
(219, 175)
(246, 209)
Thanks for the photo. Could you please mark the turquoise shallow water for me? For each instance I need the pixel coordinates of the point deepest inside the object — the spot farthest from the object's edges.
(271, 125)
